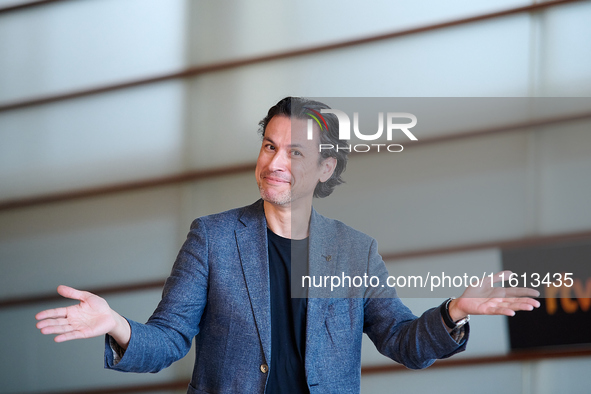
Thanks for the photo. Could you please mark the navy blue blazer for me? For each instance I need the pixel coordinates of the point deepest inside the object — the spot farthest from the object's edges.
(218, 293)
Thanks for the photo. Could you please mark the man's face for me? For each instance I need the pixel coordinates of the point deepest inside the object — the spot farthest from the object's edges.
(287, 168)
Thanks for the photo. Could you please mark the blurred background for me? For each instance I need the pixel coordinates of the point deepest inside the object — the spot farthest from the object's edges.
(123, 120)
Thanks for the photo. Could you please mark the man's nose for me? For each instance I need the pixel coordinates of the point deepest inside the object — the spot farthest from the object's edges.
(280, 161)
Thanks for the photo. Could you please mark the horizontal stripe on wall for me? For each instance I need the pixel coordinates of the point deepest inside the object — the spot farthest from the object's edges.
(390, 368)
(158, 284)
(30, 4)
(226, 65)
(197, 175)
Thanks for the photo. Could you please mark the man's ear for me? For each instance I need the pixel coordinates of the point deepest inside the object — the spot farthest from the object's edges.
(328, 165)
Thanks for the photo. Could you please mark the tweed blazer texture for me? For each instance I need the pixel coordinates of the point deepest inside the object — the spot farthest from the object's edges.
(218, 293)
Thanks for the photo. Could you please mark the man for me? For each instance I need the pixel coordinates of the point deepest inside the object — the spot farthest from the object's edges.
(229, 288)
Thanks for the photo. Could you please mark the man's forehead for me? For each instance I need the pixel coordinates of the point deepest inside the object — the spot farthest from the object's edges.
(295, 129)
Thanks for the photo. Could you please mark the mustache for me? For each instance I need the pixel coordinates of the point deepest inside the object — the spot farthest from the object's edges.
(276, 174)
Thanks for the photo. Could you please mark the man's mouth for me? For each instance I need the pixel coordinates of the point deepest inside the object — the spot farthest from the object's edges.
(274, 179)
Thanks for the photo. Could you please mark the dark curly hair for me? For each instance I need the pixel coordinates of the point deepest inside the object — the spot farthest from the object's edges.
(297, 107)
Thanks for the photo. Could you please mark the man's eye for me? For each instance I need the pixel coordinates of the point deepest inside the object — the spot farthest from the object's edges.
(296, 153)
(270, 147)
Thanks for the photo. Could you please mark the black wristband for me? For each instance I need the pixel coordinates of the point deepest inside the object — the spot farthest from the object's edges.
(445, 314)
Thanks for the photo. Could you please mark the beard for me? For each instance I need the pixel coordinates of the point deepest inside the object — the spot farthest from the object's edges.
(278, 195)
(275, 197)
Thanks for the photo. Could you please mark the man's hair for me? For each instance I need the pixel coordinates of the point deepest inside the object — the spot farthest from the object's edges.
(298, 107)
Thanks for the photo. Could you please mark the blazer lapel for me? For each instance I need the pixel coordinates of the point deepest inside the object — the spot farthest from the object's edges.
(251, 237)
(322, 258)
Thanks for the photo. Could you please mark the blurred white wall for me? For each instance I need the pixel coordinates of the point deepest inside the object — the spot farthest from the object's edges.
(455, 194)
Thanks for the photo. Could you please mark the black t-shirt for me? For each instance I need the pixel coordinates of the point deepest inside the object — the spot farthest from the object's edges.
(288, 317)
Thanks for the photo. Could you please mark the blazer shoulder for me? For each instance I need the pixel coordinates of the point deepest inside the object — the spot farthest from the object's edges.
(344, 231)
(229, 219)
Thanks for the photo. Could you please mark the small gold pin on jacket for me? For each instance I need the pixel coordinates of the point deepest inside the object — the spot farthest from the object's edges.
(328, 258)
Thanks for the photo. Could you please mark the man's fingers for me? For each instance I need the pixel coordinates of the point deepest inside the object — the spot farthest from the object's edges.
(65, 331)
(521, 292)
(522, 302)
(70, 292)
(520, 307)
(509, 306)
(58, 329)
(504, 311)
(64, 291)
(514, 291)
(524, 306)
(503, 275)
(51, 322)
(68, 336)
(51, 314)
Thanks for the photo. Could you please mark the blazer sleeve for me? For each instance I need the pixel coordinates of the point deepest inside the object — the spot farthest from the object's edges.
(167, 335)
(400, 335)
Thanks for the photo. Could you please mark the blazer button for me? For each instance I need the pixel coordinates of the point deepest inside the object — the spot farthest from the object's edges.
(264, 368)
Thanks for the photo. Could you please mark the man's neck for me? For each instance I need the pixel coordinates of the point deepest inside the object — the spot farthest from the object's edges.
(288, 221)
